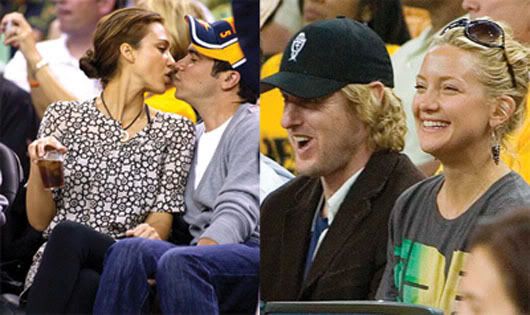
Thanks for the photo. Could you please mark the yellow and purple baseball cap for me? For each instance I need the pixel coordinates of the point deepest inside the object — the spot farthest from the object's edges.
(217, 40)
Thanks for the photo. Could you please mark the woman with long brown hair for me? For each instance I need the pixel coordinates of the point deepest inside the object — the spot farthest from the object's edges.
(125, 164)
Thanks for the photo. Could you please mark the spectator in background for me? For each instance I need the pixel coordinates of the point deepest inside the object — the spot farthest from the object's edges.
(50, 70)
(497, 277)
(5, 54)
(18, 121)
(385, 17)
(470, 94)
(284, 22)
(271, 176)
(517, 14)
(347, 128)
(407, 62)
(39, 13)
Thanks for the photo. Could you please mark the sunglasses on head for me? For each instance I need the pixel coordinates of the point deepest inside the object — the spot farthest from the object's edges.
(486, 33)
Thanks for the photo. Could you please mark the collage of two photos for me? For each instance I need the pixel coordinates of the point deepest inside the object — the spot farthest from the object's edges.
(264, 156)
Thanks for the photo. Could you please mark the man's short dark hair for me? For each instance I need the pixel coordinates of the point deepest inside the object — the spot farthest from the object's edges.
(244, 92)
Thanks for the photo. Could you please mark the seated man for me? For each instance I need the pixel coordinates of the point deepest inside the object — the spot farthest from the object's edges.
(222, 195)
(347, 129)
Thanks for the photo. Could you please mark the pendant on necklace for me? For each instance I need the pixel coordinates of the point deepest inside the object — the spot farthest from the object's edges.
(124, 136)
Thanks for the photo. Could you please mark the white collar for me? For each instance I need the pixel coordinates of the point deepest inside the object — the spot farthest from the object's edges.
(335, 201)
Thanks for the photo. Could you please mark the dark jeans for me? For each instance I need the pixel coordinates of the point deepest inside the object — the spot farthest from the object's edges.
(68, 277)
(189, 279)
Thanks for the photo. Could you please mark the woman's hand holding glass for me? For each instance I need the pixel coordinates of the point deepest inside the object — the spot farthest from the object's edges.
(37, 149)
(47, 153)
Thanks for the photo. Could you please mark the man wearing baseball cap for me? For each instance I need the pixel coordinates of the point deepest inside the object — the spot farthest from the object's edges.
(219, 78)
(324, 234)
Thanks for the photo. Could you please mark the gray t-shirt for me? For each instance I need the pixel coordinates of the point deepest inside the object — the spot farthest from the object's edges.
(426, 252)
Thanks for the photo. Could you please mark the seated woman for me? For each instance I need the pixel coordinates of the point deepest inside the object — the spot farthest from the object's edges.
(497, 279)
(125, 164)
(470, 95)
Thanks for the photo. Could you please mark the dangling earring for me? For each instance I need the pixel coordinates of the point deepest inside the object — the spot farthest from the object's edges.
(495, 148)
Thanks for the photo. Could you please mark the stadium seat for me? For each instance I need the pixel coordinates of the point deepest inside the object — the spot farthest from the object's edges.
(11, 175)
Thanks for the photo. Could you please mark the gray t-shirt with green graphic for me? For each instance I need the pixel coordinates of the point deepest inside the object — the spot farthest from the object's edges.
(426, 252)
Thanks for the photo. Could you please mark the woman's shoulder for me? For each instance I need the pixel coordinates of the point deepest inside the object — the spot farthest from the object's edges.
(510, 191)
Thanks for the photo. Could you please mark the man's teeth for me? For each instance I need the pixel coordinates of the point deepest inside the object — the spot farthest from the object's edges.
(430, 123)
(301, 138)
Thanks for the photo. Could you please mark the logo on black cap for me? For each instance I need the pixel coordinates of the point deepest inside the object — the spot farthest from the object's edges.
(297, 45)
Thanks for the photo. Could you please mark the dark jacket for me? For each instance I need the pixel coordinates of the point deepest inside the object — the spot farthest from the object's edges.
(351, 259)
(19, 122)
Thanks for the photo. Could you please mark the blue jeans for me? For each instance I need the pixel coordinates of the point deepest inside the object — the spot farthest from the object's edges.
(189, 279)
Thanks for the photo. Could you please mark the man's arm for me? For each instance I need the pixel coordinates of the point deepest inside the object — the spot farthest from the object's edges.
(44, 87)
(236, 210)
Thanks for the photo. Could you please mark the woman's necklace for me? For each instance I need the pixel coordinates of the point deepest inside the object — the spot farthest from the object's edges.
(124, 135)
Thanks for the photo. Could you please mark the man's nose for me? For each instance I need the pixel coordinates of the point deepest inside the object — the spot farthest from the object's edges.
(290, 117)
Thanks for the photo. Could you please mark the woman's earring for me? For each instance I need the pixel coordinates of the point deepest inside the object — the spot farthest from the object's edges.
(495, 148)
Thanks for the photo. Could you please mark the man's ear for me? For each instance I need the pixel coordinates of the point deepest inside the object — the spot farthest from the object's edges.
(378, 90)
(501, 110)
(230, 79)
(104, 7)
(128, 52)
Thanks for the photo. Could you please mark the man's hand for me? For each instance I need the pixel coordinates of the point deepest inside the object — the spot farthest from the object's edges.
(143, 230)
(206, 241)
(18, 33)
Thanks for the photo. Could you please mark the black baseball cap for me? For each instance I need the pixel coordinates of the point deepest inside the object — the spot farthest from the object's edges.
(327, 55)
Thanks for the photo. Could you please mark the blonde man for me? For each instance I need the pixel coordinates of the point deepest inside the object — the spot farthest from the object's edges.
(347, 128)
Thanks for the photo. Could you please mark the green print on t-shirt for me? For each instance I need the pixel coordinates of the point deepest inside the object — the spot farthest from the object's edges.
(420, 275)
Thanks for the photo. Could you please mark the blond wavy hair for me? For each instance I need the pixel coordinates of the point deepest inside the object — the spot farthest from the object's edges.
(173, 12)
(492, 71)
(384, 119)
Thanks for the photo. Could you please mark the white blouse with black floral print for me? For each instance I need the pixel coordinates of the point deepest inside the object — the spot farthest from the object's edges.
(109, 185)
